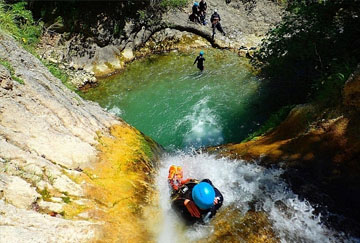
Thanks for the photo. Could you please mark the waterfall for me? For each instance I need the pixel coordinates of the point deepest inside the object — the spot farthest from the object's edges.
(245, 186)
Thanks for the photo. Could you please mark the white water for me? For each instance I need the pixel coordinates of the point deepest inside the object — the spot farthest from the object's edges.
(204, 125)
(241, 183)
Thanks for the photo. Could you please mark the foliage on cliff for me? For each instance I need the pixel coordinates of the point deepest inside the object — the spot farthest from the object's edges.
(19, 22)
(312, 51)
(76, 17)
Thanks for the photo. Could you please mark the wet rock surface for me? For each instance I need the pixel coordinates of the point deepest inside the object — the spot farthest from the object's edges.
(46, 133)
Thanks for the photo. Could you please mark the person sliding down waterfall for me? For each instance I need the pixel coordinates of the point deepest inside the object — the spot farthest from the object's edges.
(195, 201)
(200, 61)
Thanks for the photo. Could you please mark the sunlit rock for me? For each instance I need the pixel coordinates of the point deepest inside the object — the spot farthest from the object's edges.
(19, 193)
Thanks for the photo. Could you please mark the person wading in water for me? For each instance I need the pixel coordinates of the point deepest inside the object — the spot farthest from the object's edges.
(200, 61)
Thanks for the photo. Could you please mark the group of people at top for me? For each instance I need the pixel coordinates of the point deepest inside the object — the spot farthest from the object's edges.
(198, 15)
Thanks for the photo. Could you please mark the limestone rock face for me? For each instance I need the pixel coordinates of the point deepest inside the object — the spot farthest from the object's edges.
(47, 134)
(20, 193)
(20, 225)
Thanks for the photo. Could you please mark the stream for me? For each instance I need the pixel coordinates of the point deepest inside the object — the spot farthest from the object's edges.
(168, 99)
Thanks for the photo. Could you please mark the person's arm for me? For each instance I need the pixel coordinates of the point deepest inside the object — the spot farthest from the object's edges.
(183, 204)
(218, 196)
(191, 207)
(197, 58)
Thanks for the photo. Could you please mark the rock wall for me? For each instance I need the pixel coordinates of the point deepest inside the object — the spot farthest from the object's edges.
(49, 138)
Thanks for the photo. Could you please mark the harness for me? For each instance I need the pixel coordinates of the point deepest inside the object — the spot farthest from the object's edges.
(183, 190)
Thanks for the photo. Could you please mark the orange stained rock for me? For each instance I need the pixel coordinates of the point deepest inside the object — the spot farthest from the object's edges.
(256, 148)
(119, 186)
(230, 225)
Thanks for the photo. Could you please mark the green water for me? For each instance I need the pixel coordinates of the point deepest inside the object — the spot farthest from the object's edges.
(169, 99)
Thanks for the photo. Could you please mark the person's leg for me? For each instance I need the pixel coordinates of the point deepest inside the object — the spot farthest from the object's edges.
(202, 17)
(219, 27)
(198, 19)
(191, 17)
(213, 27)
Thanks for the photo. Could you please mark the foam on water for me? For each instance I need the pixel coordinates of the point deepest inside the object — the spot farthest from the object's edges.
(203, 124)
(114, 110)
(242, 184)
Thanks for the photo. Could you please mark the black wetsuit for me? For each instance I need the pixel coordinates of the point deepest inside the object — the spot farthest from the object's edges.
(215, 21)
(195, 16)
(185, 192)
(203, 7)
(200, 62)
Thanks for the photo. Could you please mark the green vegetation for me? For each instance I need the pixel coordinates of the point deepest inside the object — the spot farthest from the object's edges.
(274, 120)
(173, 3)
(8, 66)
(66, 199)
(310, 54)
(45, 194)
(60, 74)
(77, 16)
(18, 22)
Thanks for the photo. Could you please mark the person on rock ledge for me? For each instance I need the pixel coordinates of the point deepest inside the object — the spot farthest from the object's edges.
(203, 8)
(200, 61)
(195, 201)
(215, 23)
(195, 15)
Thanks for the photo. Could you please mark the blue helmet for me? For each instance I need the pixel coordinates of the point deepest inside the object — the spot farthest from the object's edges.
(203, 195)
(201, 53)
(196, 4)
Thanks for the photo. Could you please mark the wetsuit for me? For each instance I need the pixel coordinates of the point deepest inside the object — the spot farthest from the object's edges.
(195, 16)
(203, 7)
(200, 62)
(185, 192)
(215, 20)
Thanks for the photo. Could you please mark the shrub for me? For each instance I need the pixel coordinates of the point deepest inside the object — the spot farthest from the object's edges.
(18, 22)
(315, 47)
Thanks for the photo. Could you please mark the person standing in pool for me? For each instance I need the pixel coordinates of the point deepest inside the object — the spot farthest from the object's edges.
(200, 61)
